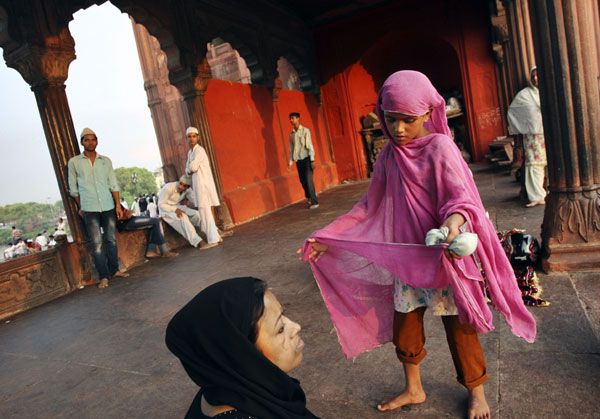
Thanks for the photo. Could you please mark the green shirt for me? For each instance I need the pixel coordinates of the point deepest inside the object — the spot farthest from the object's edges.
(93, 184)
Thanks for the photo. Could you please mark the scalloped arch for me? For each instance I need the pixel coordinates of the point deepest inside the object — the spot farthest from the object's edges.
(152, 24)
(306, 81)
(257, 73)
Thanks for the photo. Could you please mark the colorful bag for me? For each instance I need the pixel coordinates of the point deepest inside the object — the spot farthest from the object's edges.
(523, 251)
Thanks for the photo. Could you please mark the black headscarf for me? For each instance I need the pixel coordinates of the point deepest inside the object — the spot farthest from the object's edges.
(210, 337)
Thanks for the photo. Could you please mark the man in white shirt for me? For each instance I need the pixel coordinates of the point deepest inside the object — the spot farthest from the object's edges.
(152, 209)
(20, 249)
(9, 252)
(124, 203)
(303, 153)
(180, 217)
(42, 240)
(203, 183)
(135, 207)
(60, 228)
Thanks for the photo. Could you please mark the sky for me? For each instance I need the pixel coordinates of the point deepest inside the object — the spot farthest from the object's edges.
(105, 90)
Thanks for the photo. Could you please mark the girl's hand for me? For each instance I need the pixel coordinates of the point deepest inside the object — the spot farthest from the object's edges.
(453, 222)
(317, 250)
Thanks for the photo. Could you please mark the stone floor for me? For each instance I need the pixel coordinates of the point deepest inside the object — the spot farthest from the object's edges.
(101, 353)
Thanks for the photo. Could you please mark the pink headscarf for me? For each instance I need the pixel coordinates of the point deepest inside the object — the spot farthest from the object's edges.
(392, 98)
(415, 187)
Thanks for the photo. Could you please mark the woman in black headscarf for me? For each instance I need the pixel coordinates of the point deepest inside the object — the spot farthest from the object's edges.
(235, 342)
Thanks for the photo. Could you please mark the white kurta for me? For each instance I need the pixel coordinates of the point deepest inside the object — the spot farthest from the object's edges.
(198, 167)
(169, 200)
(205, 191)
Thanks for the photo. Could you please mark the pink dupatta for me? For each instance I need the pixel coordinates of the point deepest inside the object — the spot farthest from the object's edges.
(414, 188)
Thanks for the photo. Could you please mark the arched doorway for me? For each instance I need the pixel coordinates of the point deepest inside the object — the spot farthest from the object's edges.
(396, 51)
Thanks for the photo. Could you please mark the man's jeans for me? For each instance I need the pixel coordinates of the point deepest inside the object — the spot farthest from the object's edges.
(108, 221)
(156, 238)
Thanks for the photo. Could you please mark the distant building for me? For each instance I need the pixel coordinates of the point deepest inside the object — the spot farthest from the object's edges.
(159, 177)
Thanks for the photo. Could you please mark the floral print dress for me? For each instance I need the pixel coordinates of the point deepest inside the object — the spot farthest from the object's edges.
(440, 300)
(535, 149)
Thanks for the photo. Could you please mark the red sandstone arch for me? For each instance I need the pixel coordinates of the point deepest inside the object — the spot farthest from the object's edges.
(432, 55)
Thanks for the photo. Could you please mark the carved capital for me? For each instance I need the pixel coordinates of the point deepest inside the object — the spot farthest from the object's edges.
(44, 64)
(192, 81)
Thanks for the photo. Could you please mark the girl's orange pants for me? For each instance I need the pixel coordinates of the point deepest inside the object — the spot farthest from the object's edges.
(409, 338)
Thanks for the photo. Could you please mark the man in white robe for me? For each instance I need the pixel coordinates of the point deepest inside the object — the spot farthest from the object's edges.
(179, 216)
(203, 183)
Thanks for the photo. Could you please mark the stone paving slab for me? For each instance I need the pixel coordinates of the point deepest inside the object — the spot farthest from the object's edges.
(101, 353)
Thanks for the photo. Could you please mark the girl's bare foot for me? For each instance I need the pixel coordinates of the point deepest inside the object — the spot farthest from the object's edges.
(103, 283)
(406, 397)
(152, 255)
(478, 406)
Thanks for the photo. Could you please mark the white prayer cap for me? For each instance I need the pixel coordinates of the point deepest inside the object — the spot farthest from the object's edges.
(87, 131)
(191, 130)
(185, 180)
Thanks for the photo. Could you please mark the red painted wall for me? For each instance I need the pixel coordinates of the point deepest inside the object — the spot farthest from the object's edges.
(251, 138)
(447, 40)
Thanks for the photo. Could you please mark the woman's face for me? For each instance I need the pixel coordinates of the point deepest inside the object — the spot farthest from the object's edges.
(278, 339)
(404, 128)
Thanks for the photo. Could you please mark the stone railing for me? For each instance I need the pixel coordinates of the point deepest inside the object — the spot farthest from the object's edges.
(31, 280)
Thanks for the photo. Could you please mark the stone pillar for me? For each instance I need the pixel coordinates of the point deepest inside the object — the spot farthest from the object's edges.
(567, 46)
(192, 85)
(522, 56)
(45, 69)
(165, 103)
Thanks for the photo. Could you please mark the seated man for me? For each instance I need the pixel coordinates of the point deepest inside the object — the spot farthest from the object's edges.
(180, 217)
(60, 227)
(20, 248)
(156, 238)
(42, 240)
(9, 252)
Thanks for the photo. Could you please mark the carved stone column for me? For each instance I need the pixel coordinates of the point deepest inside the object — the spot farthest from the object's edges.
(192, 84)
(165, 103)
(45, 69)
(567, 51)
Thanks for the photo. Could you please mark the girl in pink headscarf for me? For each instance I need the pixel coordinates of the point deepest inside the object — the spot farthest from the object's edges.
(376, 275)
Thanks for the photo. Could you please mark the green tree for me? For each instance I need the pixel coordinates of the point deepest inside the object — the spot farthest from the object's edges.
(129, 190)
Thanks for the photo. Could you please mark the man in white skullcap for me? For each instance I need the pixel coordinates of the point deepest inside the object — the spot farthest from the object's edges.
(93, 184)
(179, 216)
(205, 191)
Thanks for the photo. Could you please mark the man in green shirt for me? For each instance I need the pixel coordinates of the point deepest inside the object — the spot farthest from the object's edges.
(93, 184)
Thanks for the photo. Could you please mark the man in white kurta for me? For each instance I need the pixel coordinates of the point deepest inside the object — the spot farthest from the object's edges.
(179, 216)
(203, 183)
